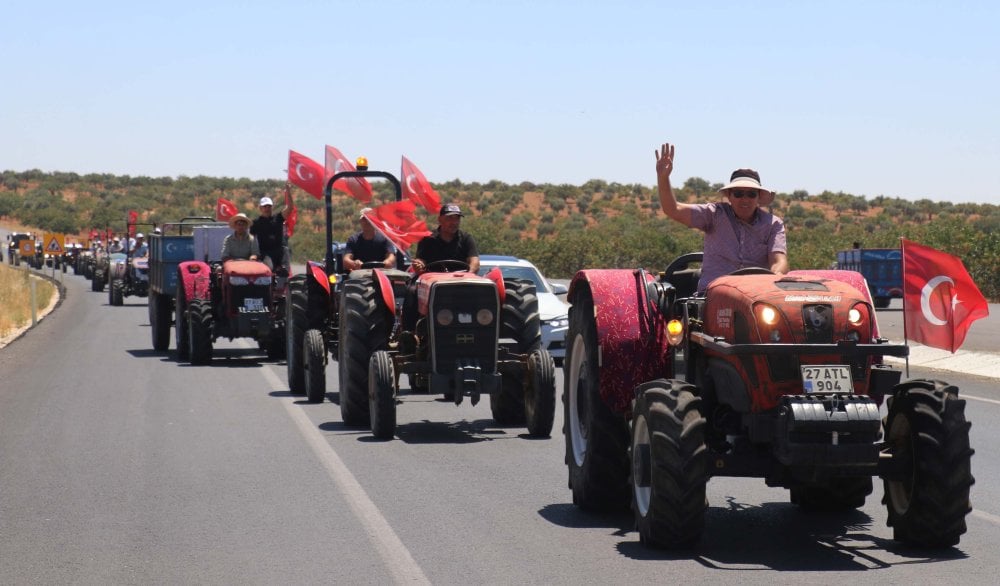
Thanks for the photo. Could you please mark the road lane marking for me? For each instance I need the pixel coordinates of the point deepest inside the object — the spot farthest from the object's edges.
(983, 399)
(400, 563)
(986, 516)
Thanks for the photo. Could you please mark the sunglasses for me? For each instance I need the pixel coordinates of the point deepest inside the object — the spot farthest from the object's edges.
(741, 193)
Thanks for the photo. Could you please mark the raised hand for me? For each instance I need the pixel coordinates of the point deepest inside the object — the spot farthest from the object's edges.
(664, 159)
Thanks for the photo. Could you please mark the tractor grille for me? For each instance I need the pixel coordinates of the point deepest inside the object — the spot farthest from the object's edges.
(818, 323)
(464, 338)
(249, 299)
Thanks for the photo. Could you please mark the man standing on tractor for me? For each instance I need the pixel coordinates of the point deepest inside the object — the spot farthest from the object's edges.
(368, 245)
(240, 244)
(269, 229)
(738, 233)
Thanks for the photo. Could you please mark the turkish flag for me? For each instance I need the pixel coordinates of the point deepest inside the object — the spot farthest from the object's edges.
(94, 233)
(418, 189)
(224, 209)
(356, 187)
(394, 223)
(940, 299)
(133, 217)
(306, 173)
(293, 217)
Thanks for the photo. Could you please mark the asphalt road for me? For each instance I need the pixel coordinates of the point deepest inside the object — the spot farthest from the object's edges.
(119, 465)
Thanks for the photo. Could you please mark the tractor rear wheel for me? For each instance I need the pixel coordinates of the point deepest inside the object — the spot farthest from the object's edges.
(670, 464)
(295, 324)
(364, 329)
(314, 357)
(597, 439)
(540, 396)
(200, 331)
(520, 321)
(382, 395)
(927, 430)
(159, 321)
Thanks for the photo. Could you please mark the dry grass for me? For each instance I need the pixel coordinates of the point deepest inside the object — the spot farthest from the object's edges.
(15, 298)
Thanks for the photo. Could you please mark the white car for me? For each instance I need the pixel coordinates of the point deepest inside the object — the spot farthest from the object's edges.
(552, 310)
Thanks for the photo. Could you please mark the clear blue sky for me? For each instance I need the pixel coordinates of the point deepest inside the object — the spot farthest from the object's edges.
(871, 98)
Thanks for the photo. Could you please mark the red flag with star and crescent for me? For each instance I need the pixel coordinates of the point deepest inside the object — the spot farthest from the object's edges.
(290, 221)
(418, 189)
(940, 299)
(357, 187)
(398, 223)
(306, 173)
(224, 209)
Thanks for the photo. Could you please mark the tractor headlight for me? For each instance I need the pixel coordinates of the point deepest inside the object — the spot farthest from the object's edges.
(768, 315)
(234, 280)
(484, 317)
(854, 316)
(262, 281)
(445, 317)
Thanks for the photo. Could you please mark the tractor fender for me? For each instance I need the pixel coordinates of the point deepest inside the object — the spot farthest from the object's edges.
(318, 274)
(384, 287)
(196, 276)
(496, 275)
(631, 336)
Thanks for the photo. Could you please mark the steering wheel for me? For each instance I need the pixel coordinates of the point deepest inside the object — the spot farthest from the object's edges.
(447, 266)
(752, 271)
(373, 264)
(682, 262)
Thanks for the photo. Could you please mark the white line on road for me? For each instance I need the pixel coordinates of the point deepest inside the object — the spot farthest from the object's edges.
(397, 558)
(984, 400)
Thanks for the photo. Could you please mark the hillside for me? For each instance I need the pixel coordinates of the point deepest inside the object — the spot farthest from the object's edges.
(561, 228)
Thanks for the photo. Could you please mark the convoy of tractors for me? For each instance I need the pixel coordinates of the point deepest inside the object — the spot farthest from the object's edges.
(777, 377)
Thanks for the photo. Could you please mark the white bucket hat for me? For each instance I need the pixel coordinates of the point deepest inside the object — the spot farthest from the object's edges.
(750, 179)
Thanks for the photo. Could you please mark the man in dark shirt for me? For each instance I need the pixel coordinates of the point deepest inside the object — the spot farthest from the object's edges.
(368, 245)
(448, 242)
(269, 229)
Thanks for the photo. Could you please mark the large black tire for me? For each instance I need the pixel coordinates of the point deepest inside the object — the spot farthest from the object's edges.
(314, 359)
(540, 396)
(364, 329)
(670, 464)
(295, 332)
(597, 439)
(926, 429)
(837, 494)
(518, 320)
(382, 395)
(181, 339)
(97, 281)
(116, 293)
(882, 302)
(200, 331)
(159, 321)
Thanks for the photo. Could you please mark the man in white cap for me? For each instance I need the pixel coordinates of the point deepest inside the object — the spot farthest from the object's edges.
(368, 245)
(141, 248)
(738, 233)
(269, 229)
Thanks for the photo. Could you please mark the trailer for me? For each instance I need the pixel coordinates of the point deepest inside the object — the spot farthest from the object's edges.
(881, 267)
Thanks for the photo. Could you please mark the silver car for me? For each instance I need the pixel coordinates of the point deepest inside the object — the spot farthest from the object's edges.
(553, 311)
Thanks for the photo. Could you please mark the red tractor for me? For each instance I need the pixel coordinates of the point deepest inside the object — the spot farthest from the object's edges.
(782, 379)
(235, 299)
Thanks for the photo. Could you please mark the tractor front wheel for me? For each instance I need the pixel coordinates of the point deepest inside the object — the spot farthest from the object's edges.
(314, 356)
(200, 331)
(927, 431)
(540, 396)
(382, 395)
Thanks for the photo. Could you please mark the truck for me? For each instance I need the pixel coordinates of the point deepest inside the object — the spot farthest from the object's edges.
(881, 267)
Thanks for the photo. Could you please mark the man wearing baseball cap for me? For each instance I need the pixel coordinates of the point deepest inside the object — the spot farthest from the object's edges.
(738, 232)
(448, 242)
(269, 230)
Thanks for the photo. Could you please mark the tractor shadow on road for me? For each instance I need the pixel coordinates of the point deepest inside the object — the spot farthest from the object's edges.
(781, 536)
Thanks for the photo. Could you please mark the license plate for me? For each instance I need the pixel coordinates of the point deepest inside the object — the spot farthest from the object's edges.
(253, 304)
(827, 379)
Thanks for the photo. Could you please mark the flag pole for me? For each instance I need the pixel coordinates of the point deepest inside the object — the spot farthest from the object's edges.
(902, 250)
